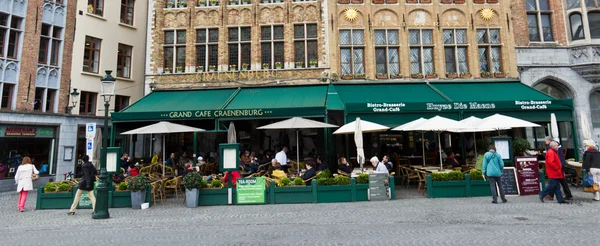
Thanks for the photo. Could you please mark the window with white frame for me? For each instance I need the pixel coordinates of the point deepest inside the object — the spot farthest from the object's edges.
(50, 44)
(490, 50)
(306, 48)
(91, 54)
(207, 49)
(421, 51)
(124, 61)
(455, 51)
(352, 52)
(44, 99)
(269, 1)
(176, 3)
(239, 42)
(387, 48)
(10, 34)
(271, 44)
(539, 21)
(174, 50)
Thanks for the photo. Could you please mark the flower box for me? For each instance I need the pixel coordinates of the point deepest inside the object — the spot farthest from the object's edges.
(459, 1)
(381, 76)
(347, 77)
(486, 75)
(431, 76)
(360, 76)
(395, 76)
(244, 2)
(357, 1)
(480, 188)
(465, 75)
(53, 200)
(343, 1)
(416, 76)
(446, 1)
(378, 1)
(425, 1)
(499, 75)
(440, 189)
(233, 2)
(479, 1)
(412, 1)
(451, 75)
(213, 196)
(392, 1)
(292, 194)
(362, 192)
(334, 193)
(201, 4)
(492, 1)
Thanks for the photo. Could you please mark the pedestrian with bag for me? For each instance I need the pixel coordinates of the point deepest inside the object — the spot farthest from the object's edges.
(85, 184)
(492, 168)
(24, 177)
(561, 156)
(591, 163)
(555, 173)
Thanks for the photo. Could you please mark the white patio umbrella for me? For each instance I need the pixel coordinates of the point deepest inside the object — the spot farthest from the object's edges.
(231, 135)
(554, 127)
(502, 122)
(358, 127)
(163, 128)
(439, 124)
(297, 123)
(410, 125)
(473, 122)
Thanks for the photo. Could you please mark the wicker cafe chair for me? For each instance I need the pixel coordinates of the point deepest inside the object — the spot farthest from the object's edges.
(422, 181)
(310, 179)
(145, 171)
(157, 191)
(343, 173)
(411, 175)
(172, 184)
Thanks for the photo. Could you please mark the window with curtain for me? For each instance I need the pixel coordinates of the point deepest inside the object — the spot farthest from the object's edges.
(421, 51)
(96, 7)
(239, 46)
(594, 23)
(489, 50)
(576, 27)
(174, 50)
(352, 50)
(124, 61)
(207, 49)
(455, 51)
(539, 21)
(271, 43)
(387, 50)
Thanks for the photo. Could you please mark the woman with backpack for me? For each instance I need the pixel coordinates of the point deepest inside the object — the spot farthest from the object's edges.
(492, 168)
(24, 180)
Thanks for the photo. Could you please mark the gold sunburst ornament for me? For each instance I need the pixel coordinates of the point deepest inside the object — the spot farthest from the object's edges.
(350, 14)
(487, 14)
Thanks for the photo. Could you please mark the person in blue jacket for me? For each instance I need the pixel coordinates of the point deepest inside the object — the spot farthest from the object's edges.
(492, 168)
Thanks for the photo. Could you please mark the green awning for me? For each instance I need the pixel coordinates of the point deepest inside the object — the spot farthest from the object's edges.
(278, 102)
(164, 105)
(489, 91)
(383, 93)
(333, 99)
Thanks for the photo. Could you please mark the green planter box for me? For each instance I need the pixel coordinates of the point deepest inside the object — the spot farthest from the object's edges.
(58, 200)
(334, 193)
(480, 188)
(120, 199)
(362, 192)
(211, 197)
(448, 188)
(294, 194)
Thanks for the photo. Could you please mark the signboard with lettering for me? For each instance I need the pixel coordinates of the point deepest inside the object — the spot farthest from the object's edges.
(517, 105)
(528, 174)
(90, 130)
(250, 191)
(378, 184)
(509, 181)
(26, 131)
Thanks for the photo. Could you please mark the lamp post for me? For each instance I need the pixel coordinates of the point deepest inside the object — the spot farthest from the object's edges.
(74, 96)
(108, 90)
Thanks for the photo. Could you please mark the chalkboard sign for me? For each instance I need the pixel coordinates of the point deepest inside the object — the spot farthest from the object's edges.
(378, 186)
(509, 181)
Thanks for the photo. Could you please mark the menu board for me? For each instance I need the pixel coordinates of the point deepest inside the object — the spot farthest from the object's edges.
(378, 186)
(509, 181)
(250, 191)
(528, 174)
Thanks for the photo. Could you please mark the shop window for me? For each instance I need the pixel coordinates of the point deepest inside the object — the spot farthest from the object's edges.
(576, 27)
(387, 48)
(489, 49)
(10, 34)
(174, 48)
(50, 97)
(38, 99)
(594, 23)
(127, 11)
(271, 43)
(91, 54)
(87, 103)
(306, 49)
(539, 21)
(455, 51)
(7, 95)
(124, 61)
(239, 47)
(121, 102)
(50, 44)
(207, 49)
(352, 50)
(421, 51)
(96, 7)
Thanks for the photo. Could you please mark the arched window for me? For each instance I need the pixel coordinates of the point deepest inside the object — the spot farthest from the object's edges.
(576, 27)
(594, 23)
(595, 108)
(550, 88)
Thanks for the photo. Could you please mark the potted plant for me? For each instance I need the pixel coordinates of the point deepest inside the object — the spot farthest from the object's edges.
(201, 3)
(431, 76)
(334, 77)
(64, 187)
(233, 2)
(244, 66)
(199, 69)
(395, 76)
(192, 182)
(452, 75)
(182, 4)
(298, 182)
(347, 76)
(416, 75)
(278, 65)
(232, 67)
(244, 1)
(123, 186)
(214, 3)
(137, 185)
(520, 145)
(50, 187)
(167, 70)
(313, 63)
(486, 74)
(465, 75)
(343, 1)
(381, 76)
(299, 64)
(265, 1)
(169, 5)
(459, 1)
(359, 76)
(499, 75)
(179, 69)
(212, 68)
(451, 184)
(265, 65)
(479, 1)
(284, 182)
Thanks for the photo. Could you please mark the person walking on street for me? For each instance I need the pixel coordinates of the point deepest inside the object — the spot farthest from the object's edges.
(563, 162)
(555, 173)
(85, 184)
(24, 180)
(492, 168)
(591, 163)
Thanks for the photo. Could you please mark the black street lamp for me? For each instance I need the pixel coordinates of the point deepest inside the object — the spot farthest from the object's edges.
(74, 96)
(108, 90)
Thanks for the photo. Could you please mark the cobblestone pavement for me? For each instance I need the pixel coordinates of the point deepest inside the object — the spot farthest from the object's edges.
(421, 221)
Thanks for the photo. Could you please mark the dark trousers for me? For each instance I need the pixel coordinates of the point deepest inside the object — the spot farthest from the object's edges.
(565, 187)
(553, 188)
(495, 181)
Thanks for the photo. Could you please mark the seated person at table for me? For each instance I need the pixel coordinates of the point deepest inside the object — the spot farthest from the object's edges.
(245, 157)
(344, 165)
(310, 172)
(171, 161)
(386, 161)
(235, 174)
(133, 171)
(156, 158)
(451, 160)
(274, 166)
(123, 162)
(379, 167)
(321, 165)
(266, 158)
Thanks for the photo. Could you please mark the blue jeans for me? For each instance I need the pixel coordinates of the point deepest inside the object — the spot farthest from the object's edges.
(553, 188)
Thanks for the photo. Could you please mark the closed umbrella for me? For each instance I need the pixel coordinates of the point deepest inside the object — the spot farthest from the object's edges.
(97, 147)
(231, 135)
(358, 140)
(554, 127)
(411, 124)
(439, 124)
(358, 127)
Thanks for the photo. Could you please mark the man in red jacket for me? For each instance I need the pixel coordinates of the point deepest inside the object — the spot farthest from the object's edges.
(555, 173)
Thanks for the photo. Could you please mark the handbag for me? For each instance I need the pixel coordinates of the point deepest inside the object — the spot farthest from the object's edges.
(588, 180)
(35, 177)
(592, 189)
